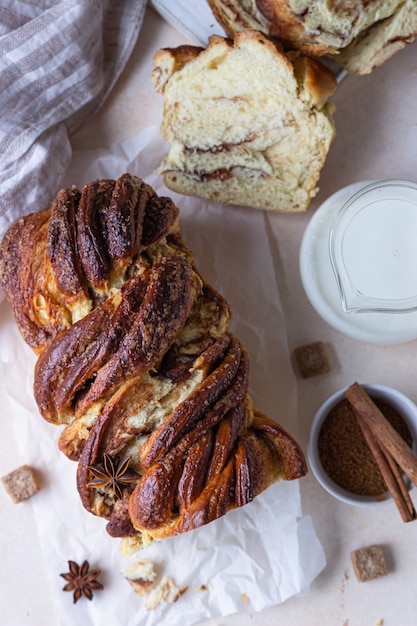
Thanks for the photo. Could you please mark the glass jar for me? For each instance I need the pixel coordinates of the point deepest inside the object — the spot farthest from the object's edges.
(373, 248)
(358, 261)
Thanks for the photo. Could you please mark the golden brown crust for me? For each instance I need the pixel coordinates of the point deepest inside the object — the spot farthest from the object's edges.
(289, 28)
(231, 17)
(62, 244)
(145, 373)
(231, 370)
(28, 281)
(317, 81)
(271, 17)
(183, 54)
(165, 307)
(236, 16)
(292, 464)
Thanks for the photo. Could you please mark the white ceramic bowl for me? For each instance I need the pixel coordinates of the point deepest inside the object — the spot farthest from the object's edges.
(405, 407)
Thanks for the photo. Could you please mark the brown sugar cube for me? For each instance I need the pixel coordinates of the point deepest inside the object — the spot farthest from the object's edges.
(21, 483)
(369, 563)
(312, 359)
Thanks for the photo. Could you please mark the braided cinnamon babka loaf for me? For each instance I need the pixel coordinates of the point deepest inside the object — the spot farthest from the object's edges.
(136, 359)
(359, 34)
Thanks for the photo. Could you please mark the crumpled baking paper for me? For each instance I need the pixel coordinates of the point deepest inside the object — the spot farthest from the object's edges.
(252, 558)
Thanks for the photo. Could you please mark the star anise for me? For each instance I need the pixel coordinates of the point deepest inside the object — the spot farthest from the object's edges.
(112, 474)
(81, 580)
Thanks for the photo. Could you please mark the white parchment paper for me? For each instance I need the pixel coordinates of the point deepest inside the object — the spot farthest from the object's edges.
(252, 558)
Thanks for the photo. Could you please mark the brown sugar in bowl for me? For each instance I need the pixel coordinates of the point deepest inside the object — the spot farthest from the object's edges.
(337, 454)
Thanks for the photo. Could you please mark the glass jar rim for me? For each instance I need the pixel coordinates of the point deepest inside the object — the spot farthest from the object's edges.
(353, 299)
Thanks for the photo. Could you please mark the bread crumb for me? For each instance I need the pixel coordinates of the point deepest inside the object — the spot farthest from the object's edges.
(178, 593)
(161, 593)
(245, 598)
(141, 576)
(312, 359)
(158, 594)
(21, 484)
(369, 563)
(379, 622)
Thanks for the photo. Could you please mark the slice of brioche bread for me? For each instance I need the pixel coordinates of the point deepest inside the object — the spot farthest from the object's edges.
(359, 34)
(247, 124)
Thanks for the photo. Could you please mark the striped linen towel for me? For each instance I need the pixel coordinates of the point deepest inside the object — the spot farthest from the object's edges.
(58, 61)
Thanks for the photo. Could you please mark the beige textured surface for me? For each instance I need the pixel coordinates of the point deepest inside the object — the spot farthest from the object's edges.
(377, 135)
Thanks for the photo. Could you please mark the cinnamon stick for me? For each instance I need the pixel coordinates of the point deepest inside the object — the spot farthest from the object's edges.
(400, 480)
(389, 470)
(382, 430)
